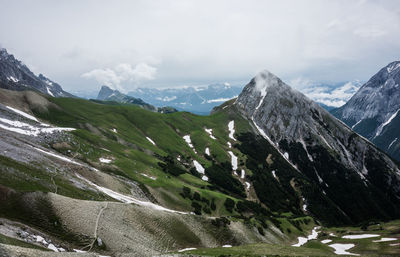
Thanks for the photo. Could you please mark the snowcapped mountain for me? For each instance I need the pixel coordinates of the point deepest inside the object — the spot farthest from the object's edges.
(198, 100)
(14, 75)
(373, 111)
(329, 153)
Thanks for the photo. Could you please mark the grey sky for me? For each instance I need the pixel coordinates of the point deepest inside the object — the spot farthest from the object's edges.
(81, 44)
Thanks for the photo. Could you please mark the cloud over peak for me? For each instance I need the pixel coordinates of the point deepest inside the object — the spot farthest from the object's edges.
(123, 72)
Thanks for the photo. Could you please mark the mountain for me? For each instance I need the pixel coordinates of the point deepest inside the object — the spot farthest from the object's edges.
(338, 161)
(199, 100)
(108, 94)
(14, 75)
(373, 110)
(263, 171)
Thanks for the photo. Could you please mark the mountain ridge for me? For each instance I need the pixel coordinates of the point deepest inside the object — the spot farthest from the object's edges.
(372, 111)
(15, 75)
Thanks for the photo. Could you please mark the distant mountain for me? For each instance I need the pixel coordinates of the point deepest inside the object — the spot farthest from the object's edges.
(199, 100)
(373, 111)
(108, 94)
(14, 75)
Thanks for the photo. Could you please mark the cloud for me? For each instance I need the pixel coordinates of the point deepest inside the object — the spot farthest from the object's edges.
(202, 42)
(331, 95)
(121, 73)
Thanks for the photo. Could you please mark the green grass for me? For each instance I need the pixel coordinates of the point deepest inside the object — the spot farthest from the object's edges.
(261, 250)
(133, 154)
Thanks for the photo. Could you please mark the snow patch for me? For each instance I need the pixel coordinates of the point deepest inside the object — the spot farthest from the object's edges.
(27, 129)
(13, 79)
(204, 177)
(247, 185)
(127, 199)
(303, 240)
(231, 127)
(186, 249)
(274, 174)
(198, 167)
(341, 249)
(304, 206)
(242, 174)
(150, 140)
(234, 160)
(326, 241)
(53, 248)
(385, 239)
(227, 246)
(23, 113)
(207, 151)
(360, 236)
(355, 125)
(104, 160)
(392, 142)
(49, 92)
(381, 127)
(189, 142)
(229, 144)
(147, 176)
(286, 155)
(209, 132)
(57, 156)
(114, 130)
(393, 67)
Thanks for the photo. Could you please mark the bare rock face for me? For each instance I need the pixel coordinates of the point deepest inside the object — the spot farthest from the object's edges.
(374, 110)
(320, 146)
(14, 75)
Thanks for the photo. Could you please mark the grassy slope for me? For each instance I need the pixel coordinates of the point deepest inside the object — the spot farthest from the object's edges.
(133, 125)
(363, 247)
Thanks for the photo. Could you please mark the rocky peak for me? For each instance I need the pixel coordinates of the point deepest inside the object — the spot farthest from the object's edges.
(104, 92)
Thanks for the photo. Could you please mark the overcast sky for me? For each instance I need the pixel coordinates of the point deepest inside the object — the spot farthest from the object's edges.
(125, 44)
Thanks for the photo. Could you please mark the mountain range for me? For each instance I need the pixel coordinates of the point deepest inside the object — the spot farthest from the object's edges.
(199, 100)
(265, 173)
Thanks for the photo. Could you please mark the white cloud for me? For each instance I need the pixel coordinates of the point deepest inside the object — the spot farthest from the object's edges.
(121, 73)
(331, 95)
(200, 42)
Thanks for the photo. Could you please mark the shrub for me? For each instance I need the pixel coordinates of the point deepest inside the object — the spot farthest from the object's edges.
(196, 196)
(197, 208)
(229, 204)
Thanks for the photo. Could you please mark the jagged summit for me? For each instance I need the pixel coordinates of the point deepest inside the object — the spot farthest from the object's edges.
(14, 75)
